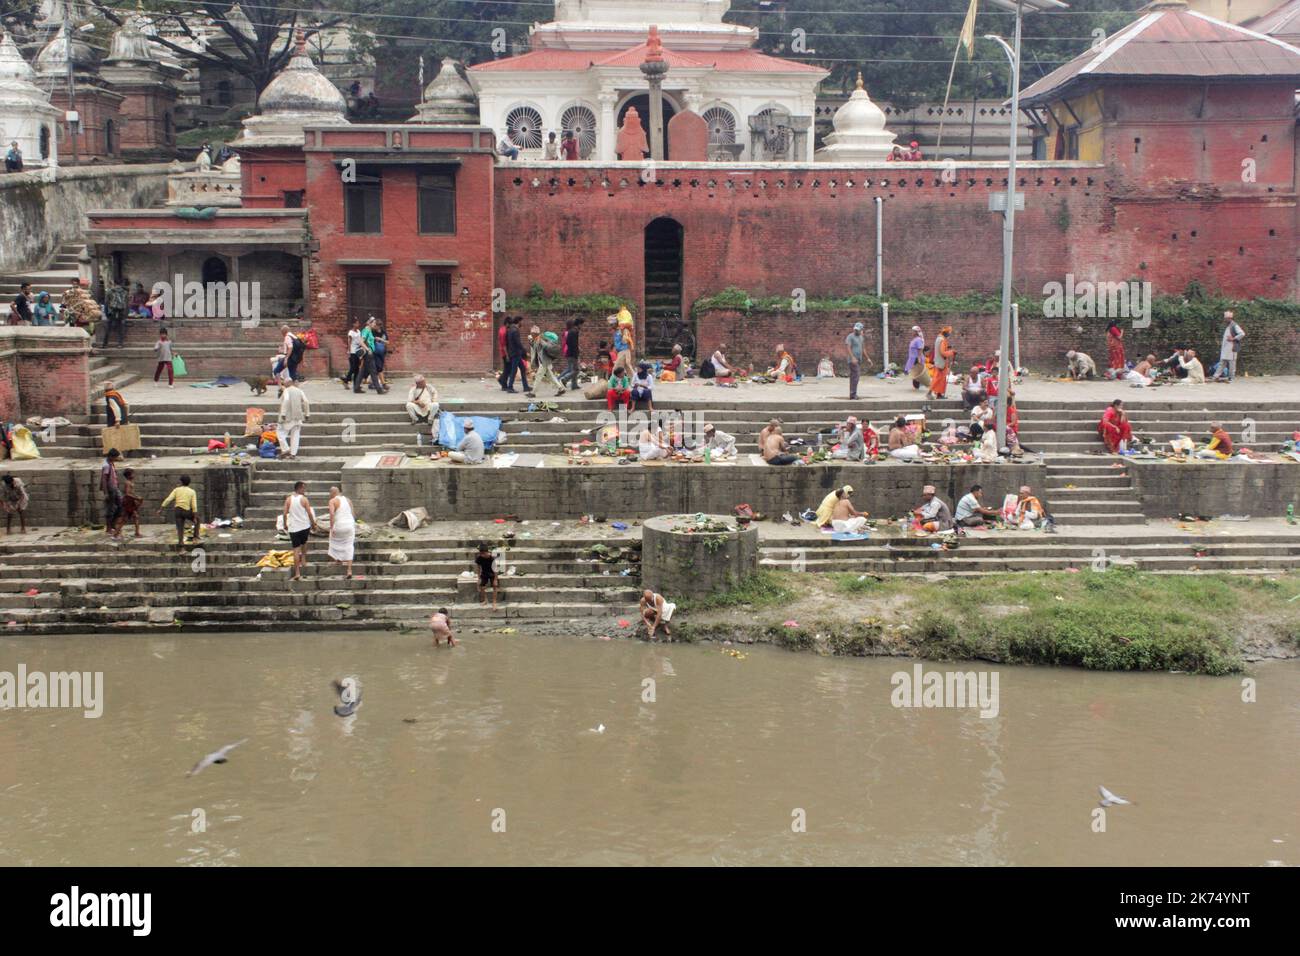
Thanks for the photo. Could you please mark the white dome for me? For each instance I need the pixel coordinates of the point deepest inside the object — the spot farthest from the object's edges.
(54, 58)
(860, 134)
(130, 42)
(299, 96)
(448, 99)
(301, 88)
(12, 64)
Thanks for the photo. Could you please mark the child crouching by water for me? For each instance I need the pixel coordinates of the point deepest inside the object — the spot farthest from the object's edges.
(440, 624)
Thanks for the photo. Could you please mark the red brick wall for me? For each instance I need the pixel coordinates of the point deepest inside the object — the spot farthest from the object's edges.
(95, 107)
(145, 108)
(46, 372)
(772, 231)
(1193, 133)
(10, 410)
(456, 339)
(268, 172)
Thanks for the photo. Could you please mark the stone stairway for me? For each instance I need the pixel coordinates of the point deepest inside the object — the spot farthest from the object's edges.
(54, 278)
(1069, 428)
(1090, 491)
(273, 480)
(212, 347)
(996, 552)
(103, 369)
(87, 586)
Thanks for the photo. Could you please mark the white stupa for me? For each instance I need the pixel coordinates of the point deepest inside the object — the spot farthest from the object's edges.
(860, 135)
(298, 97)
(26, 114)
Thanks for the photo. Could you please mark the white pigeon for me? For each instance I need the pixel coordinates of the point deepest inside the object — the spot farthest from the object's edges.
(1109, 799)
(217, 756)
(598, 729)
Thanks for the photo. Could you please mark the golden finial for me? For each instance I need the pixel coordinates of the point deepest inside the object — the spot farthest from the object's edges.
(861, 85)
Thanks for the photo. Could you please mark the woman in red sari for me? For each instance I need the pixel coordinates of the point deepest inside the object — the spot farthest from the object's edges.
(1115, 429)
(1115, 347)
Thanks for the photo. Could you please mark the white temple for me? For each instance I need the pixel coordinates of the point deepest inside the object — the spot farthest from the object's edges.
(860, 135)
(583, 72)
(25, 111)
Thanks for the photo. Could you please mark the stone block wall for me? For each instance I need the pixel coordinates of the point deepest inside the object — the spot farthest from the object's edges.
(1216, 488)
(67, 493)
(623, 492)
(43, 211)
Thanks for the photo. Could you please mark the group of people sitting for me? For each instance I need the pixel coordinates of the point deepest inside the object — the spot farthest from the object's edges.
(1018, 511)
(1117, 433)
(837, 512)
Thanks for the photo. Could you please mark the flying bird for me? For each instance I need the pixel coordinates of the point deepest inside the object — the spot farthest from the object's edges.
(1109, 799)
(217, 756)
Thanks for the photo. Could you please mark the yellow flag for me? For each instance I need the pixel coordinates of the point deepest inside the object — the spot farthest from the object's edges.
(967, 38)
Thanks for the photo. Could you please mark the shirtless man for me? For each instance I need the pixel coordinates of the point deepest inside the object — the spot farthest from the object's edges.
(775, 450)
(774, 425)
(846, 518)
(440, 624)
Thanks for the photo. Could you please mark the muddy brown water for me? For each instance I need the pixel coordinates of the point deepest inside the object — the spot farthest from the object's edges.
(450, 745)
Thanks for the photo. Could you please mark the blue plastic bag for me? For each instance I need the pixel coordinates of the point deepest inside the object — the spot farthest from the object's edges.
(268, 449)
(451, 429)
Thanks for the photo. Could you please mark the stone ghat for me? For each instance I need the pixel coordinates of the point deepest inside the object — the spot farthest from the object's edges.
(625, 492)
(82, 586)
(65, 493)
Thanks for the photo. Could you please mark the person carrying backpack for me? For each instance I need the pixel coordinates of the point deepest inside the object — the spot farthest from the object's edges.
(296, 347)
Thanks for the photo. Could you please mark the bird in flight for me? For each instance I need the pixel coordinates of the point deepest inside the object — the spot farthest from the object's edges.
(217, 756)
(1109, 799)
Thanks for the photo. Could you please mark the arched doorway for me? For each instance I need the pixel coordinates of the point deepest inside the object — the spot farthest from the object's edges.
(642, 104)
(664, 324)
(214, 270)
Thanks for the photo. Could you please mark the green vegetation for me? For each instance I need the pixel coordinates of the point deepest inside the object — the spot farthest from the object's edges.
(763, 590)
(195, 138)
(594, 303)
(1120, 619)
(741, 301)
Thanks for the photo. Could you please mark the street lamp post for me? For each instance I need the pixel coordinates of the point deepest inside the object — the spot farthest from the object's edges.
(1020, 7)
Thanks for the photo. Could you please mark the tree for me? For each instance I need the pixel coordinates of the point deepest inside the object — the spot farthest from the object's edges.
(19, 14)
(263, 38)
(905, 54)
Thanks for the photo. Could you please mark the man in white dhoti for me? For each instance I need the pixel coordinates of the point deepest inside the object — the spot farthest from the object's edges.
(343, 529)
(656, 611)
(846, 518)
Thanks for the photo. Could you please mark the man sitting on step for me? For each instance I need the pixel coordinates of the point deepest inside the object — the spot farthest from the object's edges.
(421, 402)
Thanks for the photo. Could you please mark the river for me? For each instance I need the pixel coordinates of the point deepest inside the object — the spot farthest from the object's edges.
(490, 754)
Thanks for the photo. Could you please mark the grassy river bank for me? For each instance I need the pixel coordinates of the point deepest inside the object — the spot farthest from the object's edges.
(1118, 619)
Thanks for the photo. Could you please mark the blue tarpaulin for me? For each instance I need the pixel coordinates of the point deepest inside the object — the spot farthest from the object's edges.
(451, 429)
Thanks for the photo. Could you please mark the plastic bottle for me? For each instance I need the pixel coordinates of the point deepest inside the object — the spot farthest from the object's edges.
(1290, 514)
(708, 455)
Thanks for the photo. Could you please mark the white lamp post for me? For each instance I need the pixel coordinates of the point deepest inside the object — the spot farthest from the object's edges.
(1020, 8)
